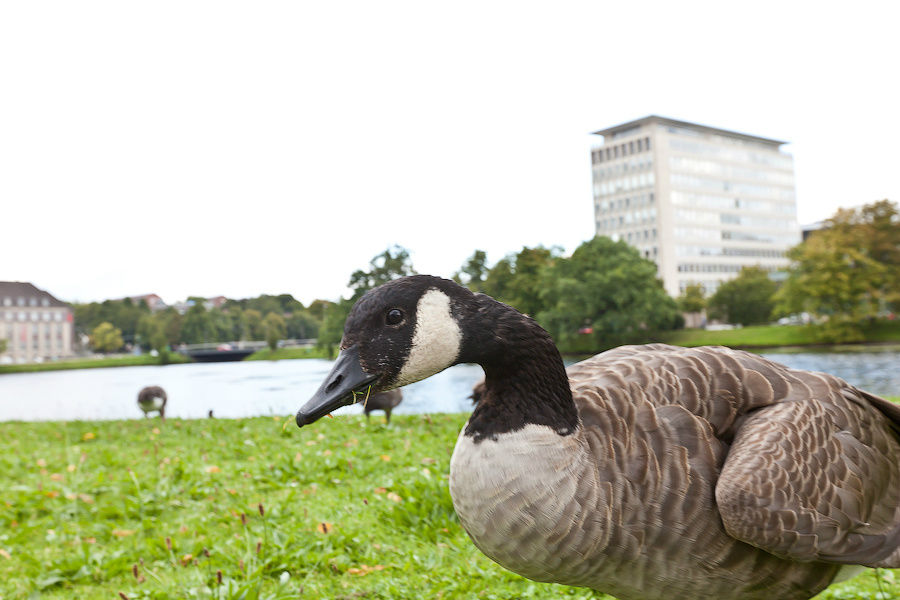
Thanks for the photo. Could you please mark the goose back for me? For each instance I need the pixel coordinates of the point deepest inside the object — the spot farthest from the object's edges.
(674, 486)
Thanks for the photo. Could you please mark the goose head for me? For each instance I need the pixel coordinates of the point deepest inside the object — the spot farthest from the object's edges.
(398, 333)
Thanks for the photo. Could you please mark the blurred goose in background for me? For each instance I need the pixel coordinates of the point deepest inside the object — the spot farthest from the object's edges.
(477, 392)
(646, 472)
(153, 399)
(385, 401)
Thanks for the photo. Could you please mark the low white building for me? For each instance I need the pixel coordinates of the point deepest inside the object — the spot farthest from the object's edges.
(35, 325)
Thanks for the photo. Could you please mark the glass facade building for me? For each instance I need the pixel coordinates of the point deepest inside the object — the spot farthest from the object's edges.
(700, 202)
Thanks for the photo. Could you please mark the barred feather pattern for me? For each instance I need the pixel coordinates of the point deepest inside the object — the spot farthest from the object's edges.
(703, 472)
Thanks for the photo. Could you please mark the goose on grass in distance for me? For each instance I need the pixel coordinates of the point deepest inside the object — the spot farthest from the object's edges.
(153, 399)
(646, 472)
(386, 401)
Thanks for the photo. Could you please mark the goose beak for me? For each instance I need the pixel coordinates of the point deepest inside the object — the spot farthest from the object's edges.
(347, 376)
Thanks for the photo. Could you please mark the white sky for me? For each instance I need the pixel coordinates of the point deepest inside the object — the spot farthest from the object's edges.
(239, 148)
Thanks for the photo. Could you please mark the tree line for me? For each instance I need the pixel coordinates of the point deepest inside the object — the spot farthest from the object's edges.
(113, 324)
(605, 294)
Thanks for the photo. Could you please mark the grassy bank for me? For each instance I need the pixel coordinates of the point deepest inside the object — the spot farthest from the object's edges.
(94, 363)
(766, 336)
(153, 510)
(283, 353)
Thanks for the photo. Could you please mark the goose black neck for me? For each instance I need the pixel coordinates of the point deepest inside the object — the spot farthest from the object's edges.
(525, 379)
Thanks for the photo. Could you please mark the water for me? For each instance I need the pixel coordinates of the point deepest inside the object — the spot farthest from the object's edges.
(255, 388)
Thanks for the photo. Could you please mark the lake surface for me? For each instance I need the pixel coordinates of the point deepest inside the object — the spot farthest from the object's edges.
(256, 388)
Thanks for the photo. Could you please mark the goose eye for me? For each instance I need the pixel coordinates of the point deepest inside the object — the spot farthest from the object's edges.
(394, 316)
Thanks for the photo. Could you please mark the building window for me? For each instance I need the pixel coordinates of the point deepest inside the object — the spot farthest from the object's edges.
(647, 143)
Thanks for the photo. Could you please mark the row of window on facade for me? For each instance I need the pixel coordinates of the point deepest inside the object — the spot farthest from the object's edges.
(625, 202)
(23, 301)
(641, 162)
(23, 315)
(638, 217)
(624, 184)
(607, 153)
(715, 202)
(715, 268)
(713, 235)
(700, 166)
(728, 251)
(705, 217)
(742, 189)
(755, 156)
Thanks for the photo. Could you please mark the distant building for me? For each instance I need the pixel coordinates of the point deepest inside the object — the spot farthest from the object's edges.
(35, 325)
(154, 302)
(700, 202)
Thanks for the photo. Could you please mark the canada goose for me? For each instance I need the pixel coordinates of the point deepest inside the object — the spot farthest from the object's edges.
(646, 472)
(477, 392)
(153, 398)
(385, 401)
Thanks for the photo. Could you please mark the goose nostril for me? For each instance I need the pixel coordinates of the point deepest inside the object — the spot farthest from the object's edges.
(336, 382)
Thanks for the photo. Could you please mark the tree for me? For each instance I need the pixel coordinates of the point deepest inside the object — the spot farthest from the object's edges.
(274, 328)
(846, 272)
(106, 338)
(253, 328)
(747, 299)
(475, 271)
(604, 295)
(516, 279)
(692, 300)
(390, 264)
(198, 325)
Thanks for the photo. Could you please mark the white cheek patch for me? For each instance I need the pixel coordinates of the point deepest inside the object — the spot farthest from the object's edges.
(436, 340)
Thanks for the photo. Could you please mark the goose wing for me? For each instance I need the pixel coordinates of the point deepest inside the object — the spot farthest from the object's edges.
(812, 470)
(816, 478)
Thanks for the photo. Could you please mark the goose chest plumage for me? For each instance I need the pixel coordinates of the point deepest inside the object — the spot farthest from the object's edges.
(644, 472)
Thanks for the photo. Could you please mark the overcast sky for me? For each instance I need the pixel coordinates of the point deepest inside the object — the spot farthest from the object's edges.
(239, 148)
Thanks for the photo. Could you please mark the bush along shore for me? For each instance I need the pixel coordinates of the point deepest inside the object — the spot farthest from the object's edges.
(253, 509)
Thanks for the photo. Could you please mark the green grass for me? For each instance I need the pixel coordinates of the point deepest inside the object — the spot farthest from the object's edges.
(93, 363)
(764, 336)
(282, 353)
(157, 510)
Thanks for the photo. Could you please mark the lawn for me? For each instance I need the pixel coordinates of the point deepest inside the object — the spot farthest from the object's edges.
(94, 363)
(251, 508)
(767, 336)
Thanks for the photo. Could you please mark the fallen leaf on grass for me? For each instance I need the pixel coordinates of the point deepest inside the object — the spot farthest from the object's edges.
(70, 468)
(212, 469)
(394, 497)
(156, 431)
(56, 477)
(385, 458)
(323, 527)
(186, 559)
(5, 554)
(364, 569)
(90, 435)
(41, 462)
(380, 490)
(122, 532)
(428, 461)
